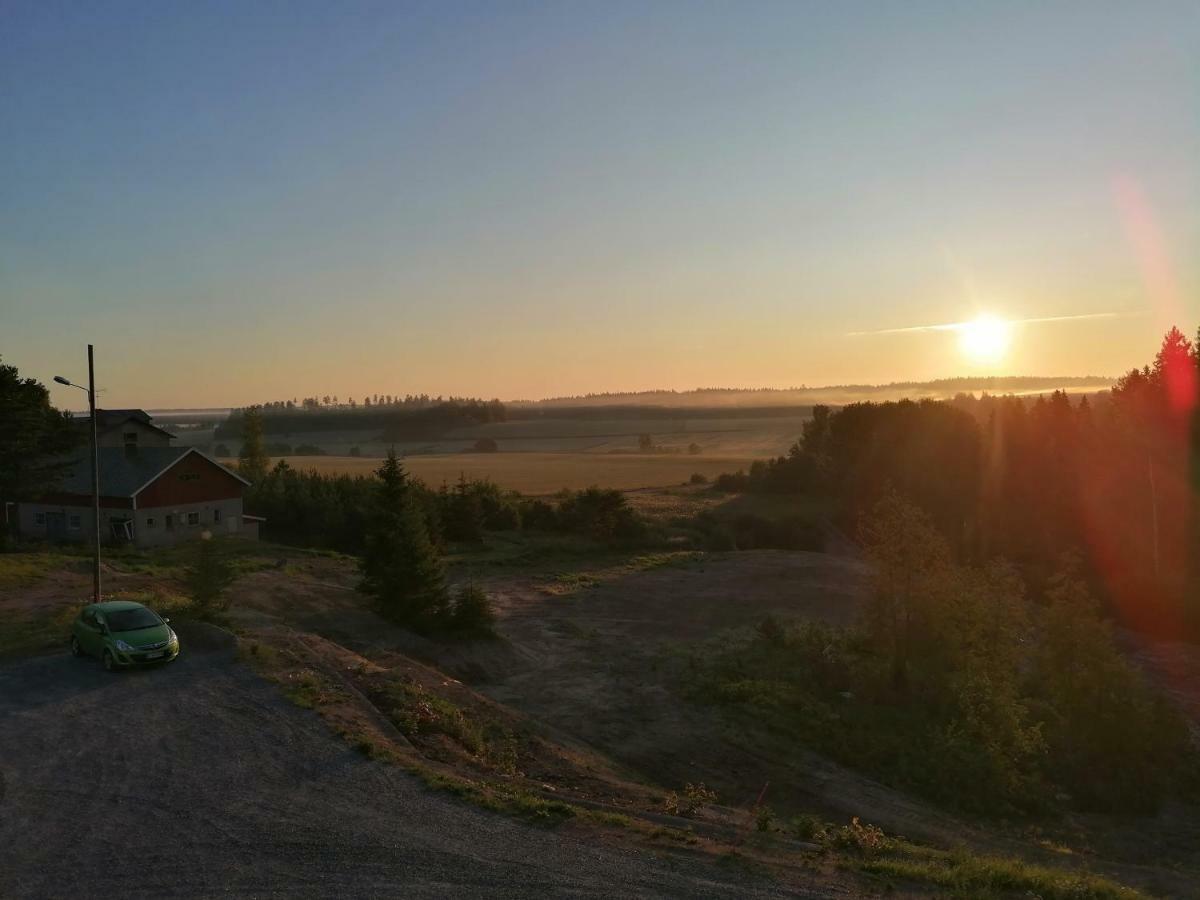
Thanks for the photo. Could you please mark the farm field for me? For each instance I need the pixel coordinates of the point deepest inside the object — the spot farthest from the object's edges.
(538, 473)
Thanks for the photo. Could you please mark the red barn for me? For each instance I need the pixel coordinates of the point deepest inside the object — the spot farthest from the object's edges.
(149, 495)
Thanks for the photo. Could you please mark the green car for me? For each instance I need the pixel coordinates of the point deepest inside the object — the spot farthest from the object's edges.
(123, 633)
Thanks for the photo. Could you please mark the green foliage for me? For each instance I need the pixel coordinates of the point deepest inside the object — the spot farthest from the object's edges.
(472, 612)
(401, 569)
(1113, 742)
(695, 797)
(485, 445)
(939, 690)
(207, 578)
(252, 455)
(600, 513)
(34, 436)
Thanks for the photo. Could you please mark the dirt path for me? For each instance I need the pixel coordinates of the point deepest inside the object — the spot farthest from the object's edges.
(199, 779)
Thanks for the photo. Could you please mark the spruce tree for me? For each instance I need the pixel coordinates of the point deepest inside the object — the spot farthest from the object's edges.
(401, 570)
(208, 577)
(252, 457)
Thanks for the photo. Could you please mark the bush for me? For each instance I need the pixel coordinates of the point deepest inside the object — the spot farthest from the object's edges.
(733, 482)
(355, 451)
(695, 797)
(208, 577)
(538, 515)
(472, 612)
(698, 477)
(222, 451)
(485, 445)
(601, 513)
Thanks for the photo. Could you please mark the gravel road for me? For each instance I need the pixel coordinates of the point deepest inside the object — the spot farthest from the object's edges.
(198, 779)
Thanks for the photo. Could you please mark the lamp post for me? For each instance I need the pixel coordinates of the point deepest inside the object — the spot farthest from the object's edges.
(91, 392)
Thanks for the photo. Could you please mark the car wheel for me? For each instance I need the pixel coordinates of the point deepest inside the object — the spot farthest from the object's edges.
(110, 664)
(76, 650)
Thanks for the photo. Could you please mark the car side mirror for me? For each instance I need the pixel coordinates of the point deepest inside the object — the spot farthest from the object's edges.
(167, 620)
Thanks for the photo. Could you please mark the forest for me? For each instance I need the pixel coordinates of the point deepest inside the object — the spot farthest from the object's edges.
(1111, 480)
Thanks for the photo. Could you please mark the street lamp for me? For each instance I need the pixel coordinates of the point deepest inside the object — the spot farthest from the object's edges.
(90, 390)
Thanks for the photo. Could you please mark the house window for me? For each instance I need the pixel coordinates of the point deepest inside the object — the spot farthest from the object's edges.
(39, 518)
(149, 521)
(131, 437)
(216, 515)
(194, 518)
(74, 523)
(170, 522)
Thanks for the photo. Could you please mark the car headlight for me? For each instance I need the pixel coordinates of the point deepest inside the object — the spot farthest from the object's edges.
(124, 647)
(172, 637)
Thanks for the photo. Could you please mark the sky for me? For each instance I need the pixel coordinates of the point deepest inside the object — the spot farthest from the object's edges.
(239, 202)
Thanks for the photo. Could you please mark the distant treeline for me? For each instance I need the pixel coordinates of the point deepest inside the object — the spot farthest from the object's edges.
(805, 395)
(679, 413)
(394, 422)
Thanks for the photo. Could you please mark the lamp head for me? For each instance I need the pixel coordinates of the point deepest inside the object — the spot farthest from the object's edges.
(62, 380)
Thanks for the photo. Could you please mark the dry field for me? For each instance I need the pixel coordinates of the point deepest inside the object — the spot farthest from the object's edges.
(539, 473)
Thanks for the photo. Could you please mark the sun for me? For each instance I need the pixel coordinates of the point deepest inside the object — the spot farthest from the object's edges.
(985, 339)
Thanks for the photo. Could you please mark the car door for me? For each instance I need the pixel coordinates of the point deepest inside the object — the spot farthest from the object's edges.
(90, 635)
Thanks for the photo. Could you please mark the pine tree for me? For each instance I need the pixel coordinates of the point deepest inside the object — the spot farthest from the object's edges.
(208, 577)
(252, 457)
(401, 570)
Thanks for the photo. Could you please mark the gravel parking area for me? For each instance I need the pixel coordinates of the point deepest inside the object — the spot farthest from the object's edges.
(199, 779)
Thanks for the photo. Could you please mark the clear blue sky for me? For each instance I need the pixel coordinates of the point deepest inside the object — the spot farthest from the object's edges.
(248, 201)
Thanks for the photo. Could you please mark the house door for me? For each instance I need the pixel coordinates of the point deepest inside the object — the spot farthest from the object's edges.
(56, 526)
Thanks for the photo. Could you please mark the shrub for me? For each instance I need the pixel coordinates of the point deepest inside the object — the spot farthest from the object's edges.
(601, 513)
(208, 577)
(472, 612)
(698, 477)
(221, 450)
(733, 482)
(764, 818)
(807, 827)
(538, 515)
(485, 445)
(695, 796)
(865, 839)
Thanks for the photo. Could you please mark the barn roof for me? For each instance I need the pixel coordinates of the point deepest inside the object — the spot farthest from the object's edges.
(124, 474)
(107, 419)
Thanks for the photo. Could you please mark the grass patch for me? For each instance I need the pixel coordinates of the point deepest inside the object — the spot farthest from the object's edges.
(565, 583)
(18, 570)
(965, 875)
(506, 799)
(958, 873)
(20, 635)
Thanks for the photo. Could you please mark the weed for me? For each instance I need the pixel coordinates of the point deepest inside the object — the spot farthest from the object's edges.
(695, 796)
(764, 818)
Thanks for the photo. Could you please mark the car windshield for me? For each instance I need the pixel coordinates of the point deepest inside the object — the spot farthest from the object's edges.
(132, 619)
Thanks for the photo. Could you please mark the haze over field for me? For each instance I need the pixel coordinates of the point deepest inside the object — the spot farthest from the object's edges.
(269, 200)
